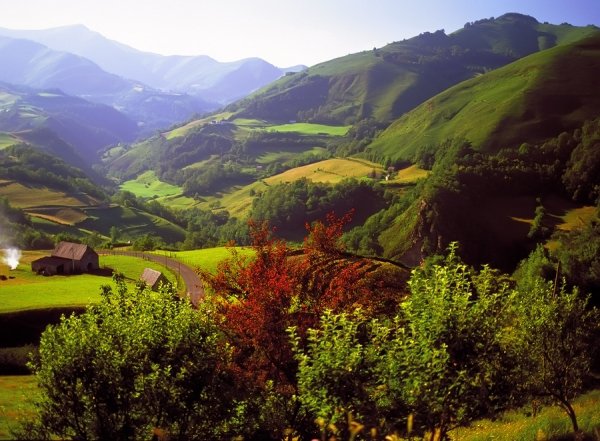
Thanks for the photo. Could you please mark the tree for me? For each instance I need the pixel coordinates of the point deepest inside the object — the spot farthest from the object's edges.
(556, 332)
(136, 361)
(447, 360)
(443, 358)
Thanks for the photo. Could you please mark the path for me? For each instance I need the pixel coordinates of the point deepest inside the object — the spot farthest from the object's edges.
(193, 284)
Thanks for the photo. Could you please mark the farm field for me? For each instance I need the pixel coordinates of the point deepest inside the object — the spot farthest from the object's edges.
(206, 259)
(147, 185)
(330, 171)
(22, 196)
(27, 290)
(310, 129)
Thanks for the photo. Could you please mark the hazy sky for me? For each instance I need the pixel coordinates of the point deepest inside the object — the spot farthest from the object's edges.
(282, 32)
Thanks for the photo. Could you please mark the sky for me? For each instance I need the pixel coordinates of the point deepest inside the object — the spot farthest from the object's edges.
(283, 32)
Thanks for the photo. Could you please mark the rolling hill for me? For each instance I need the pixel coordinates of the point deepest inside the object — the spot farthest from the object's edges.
(530, 100)
(197, 75)
(386, 82)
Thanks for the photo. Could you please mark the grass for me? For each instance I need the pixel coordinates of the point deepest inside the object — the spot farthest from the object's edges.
(330, 171)
(551, 422)
(130, 222)
(25, 196)
(27, 290)
(505, 107)
(409, 175)
(207, 259)
(6, 140)
(63, 216)
(17, 393)
(310, 129)
(183, 130)
(147, 185)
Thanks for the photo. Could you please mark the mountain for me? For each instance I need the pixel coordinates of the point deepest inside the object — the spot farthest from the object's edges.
(32, 64)
(85, 126)
(198, 75)
(530, 100)
(386, 82)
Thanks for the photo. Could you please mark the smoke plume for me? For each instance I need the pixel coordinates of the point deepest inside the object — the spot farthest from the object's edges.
(11, 257)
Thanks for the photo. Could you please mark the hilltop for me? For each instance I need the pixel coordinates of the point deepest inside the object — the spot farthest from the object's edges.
(384, 83)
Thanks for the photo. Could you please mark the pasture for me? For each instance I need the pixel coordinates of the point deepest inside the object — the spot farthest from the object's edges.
(310, 129)
(27, 290)
(207, 259)
(330, 171)
(147, 185)
(27, 196)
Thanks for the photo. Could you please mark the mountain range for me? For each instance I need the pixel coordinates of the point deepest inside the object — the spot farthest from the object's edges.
(202, 76)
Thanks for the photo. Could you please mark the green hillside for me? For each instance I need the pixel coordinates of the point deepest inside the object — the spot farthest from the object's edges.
(386, 82)
(529, 100)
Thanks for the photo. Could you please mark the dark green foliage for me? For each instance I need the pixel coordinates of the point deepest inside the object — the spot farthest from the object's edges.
(582, 176)
(579, 257)
(29, 165)
(17, 230)
(289, 206)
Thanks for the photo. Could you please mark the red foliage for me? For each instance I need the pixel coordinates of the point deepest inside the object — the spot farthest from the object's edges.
(264, 295)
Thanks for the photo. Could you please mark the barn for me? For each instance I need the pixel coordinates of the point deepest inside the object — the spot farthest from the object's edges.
(67, 258)
(153, 279)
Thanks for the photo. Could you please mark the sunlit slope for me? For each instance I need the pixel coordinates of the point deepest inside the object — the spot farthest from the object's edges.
(383, 83)
(529, 100)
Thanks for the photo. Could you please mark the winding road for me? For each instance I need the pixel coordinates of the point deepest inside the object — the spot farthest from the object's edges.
(193, 284)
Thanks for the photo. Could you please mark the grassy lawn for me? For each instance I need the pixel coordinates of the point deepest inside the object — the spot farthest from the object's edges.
(147, 185)
(27, 290)
(409, 175)
(16, 395)
(311, 129)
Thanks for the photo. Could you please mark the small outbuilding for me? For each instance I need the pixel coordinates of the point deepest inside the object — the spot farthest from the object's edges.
(67, 258)
(153, 279)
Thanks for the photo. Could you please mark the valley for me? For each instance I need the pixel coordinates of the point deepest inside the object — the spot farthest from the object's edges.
(329, 210)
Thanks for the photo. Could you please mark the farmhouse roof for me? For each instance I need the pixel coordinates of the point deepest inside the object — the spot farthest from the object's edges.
(70, 250)
(51, 261)
(150, 276)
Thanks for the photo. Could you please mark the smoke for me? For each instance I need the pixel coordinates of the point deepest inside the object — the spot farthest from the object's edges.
(11, 257)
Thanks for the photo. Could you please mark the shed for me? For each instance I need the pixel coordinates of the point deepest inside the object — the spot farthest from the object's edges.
(67, 258)
(153, 279)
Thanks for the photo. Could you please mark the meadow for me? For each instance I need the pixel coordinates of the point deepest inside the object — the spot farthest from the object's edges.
(27, 290)
(147, 185)
(206, 259)
(6, 140)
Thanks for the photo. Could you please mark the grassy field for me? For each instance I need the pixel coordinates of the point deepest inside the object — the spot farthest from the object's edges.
(310, 129)
(206, 259)
(409, 175)
(22, 196)
(183, 130)
(330, 171)
(17, 393)
(6, 140)
(27, 290)
(147, 185)
(130, 221)
(63, 216)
